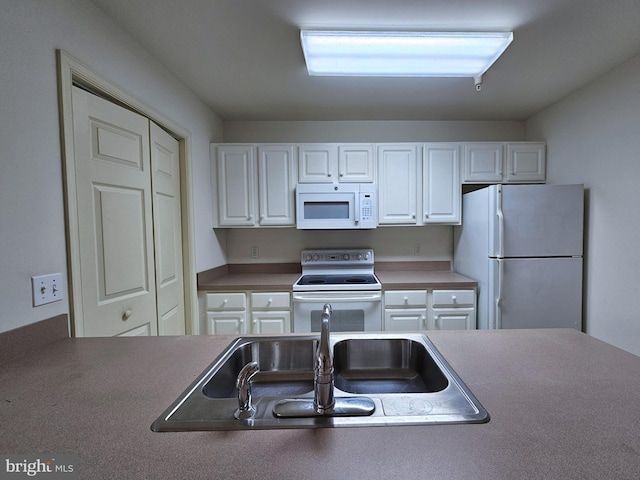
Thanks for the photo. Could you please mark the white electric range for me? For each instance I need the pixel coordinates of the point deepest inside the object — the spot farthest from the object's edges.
(345, 279)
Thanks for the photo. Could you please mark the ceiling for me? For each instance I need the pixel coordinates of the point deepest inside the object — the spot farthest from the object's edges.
(243, 57)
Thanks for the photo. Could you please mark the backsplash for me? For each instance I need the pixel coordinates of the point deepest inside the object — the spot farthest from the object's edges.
(390, 244)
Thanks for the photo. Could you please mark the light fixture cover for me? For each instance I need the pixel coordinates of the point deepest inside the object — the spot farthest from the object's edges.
(402, 54)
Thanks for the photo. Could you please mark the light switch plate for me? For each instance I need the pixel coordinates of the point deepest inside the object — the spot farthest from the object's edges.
(47, 289)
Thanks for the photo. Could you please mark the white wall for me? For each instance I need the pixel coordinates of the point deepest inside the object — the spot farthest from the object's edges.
(32, 232)
(372, 131)
(389, 243)
(593, 137)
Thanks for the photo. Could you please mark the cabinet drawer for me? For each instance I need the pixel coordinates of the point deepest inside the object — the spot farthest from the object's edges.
(454, 298)
(405, 298)
(270, 301)
(226, 301)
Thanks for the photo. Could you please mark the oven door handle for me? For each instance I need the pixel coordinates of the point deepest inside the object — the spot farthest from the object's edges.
(337, 299)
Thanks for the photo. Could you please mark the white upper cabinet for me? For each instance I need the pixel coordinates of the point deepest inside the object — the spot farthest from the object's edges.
(482, 162)
(419, 193)
(332, 163)
(496, 162)
(356, 163)
(317, 163)
(417, 183)
(255, 185)
(526, 162)
(276, 184)
(236, 170)
(397, 183)
(441, 183)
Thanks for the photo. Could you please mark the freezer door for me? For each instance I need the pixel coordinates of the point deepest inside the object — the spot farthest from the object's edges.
(536, 220)
(536, 293)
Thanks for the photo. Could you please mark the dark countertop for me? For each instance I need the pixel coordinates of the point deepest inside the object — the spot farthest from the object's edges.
(263, 282)
(393, 276)
(563, 405)
(416, 280)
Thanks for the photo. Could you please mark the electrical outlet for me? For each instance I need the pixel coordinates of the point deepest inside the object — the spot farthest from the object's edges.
(255, 252)
(416, 249)
(47, 289)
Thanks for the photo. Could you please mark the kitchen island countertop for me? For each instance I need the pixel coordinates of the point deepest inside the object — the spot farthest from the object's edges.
(563, 405)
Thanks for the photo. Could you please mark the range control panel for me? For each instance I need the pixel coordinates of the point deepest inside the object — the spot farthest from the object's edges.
(337, 257)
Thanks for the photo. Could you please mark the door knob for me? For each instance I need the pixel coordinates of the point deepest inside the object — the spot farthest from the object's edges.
(127, 314)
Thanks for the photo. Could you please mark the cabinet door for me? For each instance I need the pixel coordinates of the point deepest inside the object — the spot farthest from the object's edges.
(482, 163)
(405, 319)
(271, 322)
(226, 323)
(236, 185)
(356, 163)
(317, 163)
(526, 162)
(454, 319)
(441, 183)
(276, 185)
(397, 184)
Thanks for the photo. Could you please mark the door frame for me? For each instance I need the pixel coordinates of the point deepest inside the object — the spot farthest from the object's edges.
(71, 71)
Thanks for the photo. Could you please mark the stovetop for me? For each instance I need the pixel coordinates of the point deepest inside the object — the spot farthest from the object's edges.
(337, 269)
(338, 279)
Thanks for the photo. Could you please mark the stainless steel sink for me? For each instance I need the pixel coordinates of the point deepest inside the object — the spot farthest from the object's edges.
(386, 365)
(408, 380)
(286, 367)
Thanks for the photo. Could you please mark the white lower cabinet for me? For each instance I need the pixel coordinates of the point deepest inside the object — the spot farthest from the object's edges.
(227, 313)
(271, 312)
(413, 310)
(453, 310)
(405, 310)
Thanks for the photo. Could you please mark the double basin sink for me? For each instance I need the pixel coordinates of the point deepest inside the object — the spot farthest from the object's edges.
(408, 380)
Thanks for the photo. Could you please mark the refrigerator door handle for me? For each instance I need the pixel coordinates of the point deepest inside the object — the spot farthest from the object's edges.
(500, 215)
(499, 296)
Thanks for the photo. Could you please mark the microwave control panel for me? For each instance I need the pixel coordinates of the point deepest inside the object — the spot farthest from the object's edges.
(367, 210)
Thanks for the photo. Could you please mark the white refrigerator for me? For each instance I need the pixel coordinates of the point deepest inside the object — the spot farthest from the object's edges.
(523, 244)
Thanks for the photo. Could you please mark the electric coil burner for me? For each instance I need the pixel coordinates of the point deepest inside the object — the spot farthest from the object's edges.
(345, 279)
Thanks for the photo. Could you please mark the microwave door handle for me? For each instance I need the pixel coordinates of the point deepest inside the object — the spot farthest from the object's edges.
(357, 208)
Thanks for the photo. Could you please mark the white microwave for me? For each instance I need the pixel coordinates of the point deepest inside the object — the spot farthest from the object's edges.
(321, 206)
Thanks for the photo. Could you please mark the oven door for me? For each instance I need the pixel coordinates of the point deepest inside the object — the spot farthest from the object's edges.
(351, 311)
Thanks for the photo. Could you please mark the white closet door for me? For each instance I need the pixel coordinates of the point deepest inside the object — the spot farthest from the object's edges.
(165, 166)
(114, 217)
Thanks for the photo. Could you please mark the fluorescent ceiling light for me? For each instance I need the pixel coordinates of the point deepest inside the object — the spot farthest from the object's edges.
(402, 54)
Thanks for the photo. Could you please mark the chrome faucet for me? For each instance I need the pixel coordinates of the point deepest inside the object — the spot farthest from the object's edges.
(243, 384)
(323, 400)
